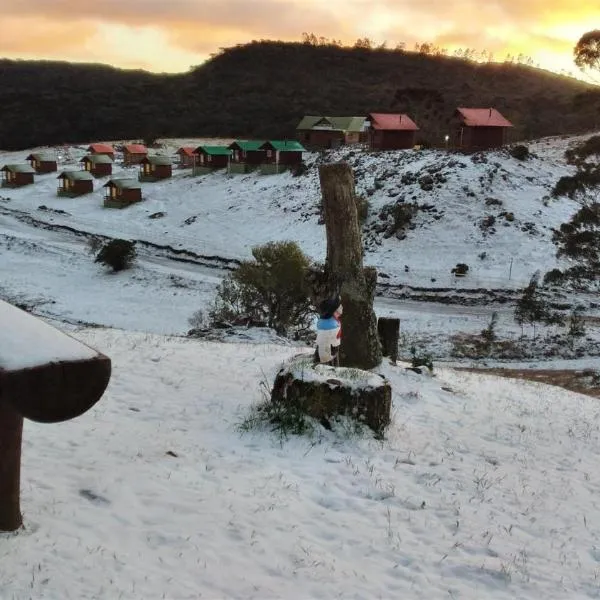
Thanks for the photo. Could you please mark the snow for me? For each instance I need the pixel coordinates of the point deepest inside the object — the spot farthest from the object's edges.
(29, 342)
(483, 488)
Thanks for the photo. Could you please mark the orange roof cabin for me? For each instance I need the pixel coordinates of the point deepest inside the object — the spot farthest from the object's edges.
(134, 153)
(17, 175)
(99, 165)
(75, 183)
(246, 155)
(186, 157)
(281, 156)
(42, 162)
(330, 132)
(391, 131)
(478, 129)
(211, 158)
(156, 167)
(122, 192)
(101, 149)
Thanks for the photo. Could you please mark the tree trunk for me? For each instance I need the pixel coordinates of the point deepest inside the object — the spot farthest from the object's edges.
(389, 336)
(11, 430)
(344, 268)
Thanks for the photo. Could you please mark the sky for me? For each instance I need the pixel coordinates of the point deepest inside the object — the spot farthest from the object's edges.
(174, 35)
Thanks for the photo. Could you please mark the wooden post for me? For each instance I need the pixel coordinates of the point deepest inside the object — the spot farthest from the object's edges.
(389, 335)
(344, 268)
(11, 431)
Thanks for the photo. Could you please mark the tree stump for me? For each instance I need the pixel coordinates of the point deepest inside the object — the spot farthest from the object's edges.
(389, 336)
(324, 392)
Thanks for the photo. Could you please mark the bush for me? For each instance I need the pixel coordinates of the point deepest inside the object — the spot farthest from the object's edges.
(272, 290)
(553, 277)
(460, 269)
(520, 152)
(578, 184)
(402, 215)
(362, 208)
(580, 153)
(117, 254)
(299, 169)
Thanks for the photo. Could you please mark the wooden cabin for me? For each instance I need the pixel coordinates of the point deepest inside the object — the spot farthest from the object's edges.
(329, 132)
(388, 131)
(156, 167)
(246, 156)
(281, 156)
(101, 150)
(186, 157)
(122, 192)
(17, 175)
(43, 162)
(211, 158)
(75, 183)
(99, 165)
(478, 129)
(133, 154)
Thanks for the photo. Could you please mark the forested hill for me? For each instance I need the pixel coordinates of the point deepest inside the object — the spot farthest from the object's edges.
(262, 89)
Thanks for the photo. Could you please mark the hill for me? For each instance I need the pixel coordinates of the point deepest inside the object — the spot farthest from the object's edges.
(262, 89)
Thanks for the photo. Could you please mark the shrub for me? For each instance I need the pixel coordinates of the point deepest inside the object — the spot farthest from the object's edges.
(117, 254)
(271, 290)
(362, 208)
(578, 184)
(420, 360)
(299, 169)
(580, 153)
(553, 277)
(460, 269)
(520, 152)
(402, 215)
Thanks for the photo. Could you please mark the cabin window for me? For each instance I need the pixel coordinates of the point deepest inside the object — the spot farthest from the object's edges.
(269, 154)
(201, 156)
(209, 158)
(244, 154)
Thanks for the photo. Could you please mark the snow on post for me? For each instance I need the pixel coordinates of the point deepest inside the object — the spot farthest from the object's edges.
(46, 376)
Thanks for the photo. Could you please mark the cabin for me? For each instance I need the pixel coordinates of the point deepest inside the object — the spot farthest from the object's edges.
(99, 165)
(388, 131)
(330, 132)
(246, 156)
(281, 156)
(211, 158)
(43, 162)
(101, 150)
(155, 168)
(478, 129)
(75, 183)
(133, 154)
(186, 157)
(122, 192)
(17, 175)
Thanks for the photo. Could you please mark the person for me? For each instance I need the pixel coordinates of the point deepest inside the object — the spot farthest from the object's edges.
(329, 331)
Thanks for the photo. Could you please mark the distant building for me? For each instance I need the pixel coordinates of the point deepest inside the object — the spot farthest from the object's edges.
(186, 157)
(329, 132)
(99, 165)
(211, 158)
(478, 129)
(17, 175)
(154, 168)
(246, 155)
(75, 183)
(388, 131)
(122, 192)
(42, 162)
(101, 149)
(134, 153)
(281, 156)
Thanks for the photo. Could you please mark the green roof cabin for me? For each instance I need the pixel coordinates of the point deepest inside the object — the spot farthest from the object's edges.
(43, 162)
(330, 132)
(17, 175)
(122, 192)
(281, 156)
(246, 155)
(75, 183)
(99, 165)
(155, 168)
(211, 158)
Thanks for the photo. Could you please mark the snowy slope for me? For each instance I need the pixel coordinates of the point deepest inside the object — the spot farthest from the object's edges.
(484, 488)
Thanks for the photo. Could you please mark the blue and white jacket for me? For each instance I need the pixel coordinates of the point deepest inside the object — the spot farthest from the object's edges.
(329, 337)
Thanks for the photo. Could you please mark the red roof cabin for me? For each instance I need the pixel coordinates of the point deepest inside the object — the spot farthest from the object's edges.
(133, 154)
(43, 162)
(17, 175)
(101, 149)
(186, 157)
(391, 131)
(281, 156)
(479, 129)
(99, 165)
(246, 156)
(211, 158)
(155, 168)
(122, 192)
(75, 183)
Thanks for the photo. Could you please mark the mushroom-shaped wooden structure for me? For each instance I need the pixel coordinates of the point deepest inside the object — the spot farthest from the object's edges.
(46, 376)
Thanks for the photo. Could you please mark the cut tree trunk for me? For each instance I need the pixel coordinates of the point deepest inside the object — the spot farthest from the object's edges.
(344, 269)
(11, 431)
(389, 336)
